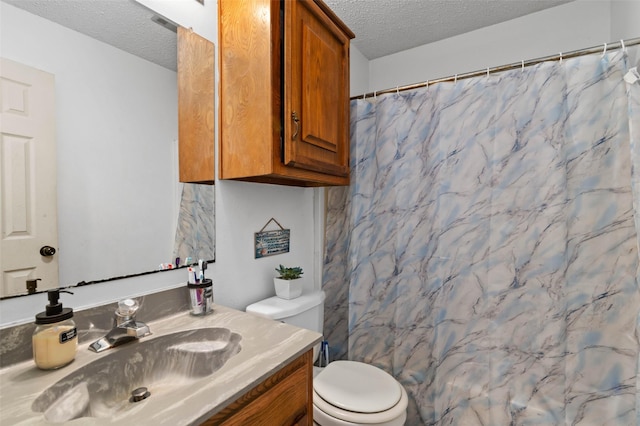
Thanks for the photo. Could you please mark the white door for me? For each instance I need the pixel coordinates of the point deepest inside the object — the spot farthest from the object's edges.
(28, 200)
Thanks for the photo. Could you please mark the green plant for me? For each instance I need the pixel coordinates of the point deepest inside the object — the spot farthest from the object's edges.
(289, 273)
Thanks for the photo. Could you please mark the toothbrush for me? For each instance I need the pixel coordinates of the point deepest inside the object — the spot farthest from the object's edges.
(203, 267)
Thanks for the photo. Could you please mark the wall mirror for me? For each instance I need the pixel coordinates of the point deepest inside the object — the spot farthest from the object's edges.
(121, 210)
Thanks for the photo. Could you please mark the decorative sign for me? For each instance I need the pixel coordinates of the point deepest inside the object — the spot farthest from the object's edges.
(268, 243)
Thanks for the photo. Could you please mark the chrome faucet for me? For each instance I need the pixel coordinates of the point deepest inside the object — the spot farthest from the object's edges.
(125, 328)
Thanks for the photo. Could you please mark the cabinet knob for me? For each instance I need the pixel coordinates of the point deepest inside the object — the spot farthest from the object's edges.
(296, 120)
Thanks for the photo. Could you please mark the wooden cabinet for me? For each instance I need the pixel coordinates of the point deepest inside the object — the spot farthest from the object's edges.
(284, 93)
(283, 399)
(195, 108)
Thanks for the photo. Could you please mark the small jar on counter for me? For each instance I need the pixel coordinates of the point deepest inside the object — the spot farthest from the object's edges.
(55, 338)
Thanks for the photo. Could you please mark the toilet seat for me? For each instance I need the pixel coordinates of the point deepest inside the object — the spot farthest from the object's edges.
(359, 393)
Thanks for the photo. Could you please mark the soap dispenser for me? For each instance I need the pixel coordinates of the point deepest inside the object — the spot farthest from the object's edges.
(55, 338)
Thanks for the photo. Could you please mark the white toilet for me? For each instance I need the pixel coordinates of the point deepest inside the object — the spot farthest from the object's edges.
(345, 393)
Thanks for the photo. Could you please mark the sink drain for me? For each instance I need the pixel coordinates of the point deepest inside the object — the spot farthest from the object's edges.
(139, 394)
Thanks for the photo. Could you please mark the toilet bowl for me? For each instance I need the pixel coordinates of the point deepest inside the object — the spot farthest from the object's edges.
(354, 393)
(345, 393)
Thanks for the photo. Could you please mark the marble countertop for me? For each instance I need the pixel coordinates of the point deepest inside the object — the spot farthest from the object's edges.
(267, 346)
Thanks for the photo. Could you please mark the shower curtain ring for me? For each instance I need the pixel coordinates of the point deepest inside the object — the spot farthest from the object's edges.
(604, 52)
(560, 58)
(622, 44)
(455, 78)
(523, 65)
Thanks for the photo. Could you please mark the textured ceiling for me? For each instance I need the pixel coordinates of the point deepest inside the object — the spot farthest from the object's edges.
(124, 24)
(382, 27)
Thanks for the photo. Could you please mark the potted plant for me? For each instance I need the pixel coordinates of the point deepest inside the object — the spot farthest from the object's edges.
(288, 285)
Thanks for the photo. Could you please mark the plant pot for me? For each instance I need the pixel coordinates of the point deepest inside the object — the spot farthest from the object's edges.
(288, 289)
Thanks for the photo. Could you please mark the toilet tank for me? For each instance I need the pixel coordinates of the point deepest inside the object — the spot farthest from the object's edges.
(306, 311)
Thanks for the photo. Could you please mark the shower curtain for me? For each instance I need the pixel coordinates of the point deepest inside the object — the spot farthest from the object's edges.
(486, 252)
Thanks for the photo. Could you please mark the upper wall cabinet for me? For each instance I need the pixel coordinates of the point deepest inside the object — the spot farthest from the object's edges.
(196, 108)
(284, 93)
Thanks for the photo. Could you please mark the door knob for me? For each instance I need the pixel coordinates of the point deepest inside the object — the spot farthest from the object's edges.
(47, 251)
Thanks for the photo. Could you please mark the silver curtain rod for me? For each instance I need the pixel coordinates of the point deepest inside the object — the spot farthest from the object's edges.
(575, 53)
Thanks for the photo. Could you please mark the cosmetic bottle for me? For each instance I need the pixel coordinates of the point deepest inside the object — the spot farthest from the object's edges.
(55, 338)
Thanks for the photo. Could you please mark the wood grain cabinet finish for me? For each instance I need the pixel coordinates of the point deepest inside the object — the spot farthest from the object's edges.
(284, 93)
(284, 399)
(196, 114)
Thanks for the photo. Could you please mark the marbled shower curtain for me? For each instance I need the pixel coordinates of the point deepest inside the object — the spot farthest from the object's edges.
(195, 230)
(486, 253)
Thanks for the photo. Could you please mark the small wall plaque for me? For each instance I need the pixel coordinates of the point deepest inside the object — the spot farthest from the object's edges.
(269, 243)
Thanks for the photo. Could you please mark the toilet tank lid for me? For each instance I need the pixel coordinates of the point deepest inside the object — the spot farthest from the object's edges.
(277, 308)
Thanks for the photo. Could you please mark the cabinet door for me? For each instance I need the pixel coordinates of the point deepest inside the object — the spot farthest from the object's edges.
(283, 399)
(195, 108)
(316, 68)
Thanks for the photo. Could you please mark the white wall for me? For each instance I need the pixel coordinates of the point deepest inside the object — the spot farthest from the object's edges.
(359, 72)
(625, 19)
(572, 26)
(625, 22)
(241, 209)
(116, 130)
(244, 208)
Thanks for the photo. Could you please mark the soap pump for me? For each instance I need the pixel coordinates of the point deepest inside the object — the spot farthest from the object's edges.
(55, 338)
